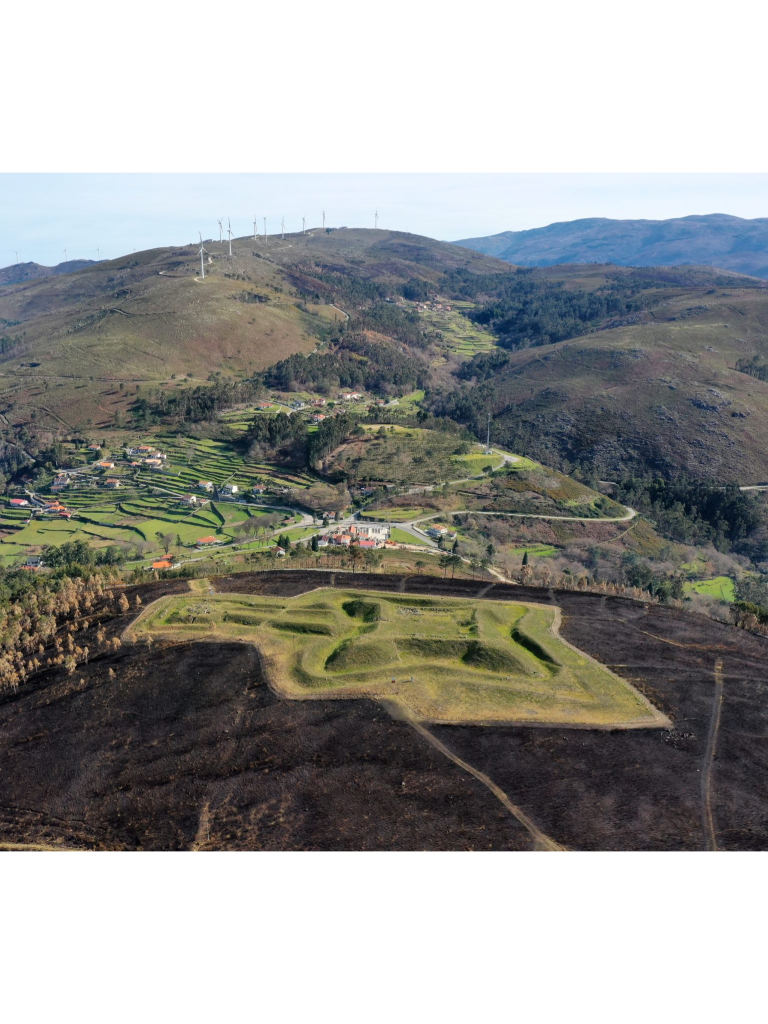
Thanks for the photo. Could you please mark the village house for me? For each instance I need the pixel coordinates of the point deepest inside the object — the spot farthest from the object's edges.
(33, 562)
(60, 482)
(112, 483)
(436, 532)
(229, 490)
(207, 542)
(163, 563)
(323, 542)
(94, 447)
(153, 463)
(105, 465)
(280, 552)
(18, 502)
(205, 485)
(188, 499)
(318, 417)
(318, 402)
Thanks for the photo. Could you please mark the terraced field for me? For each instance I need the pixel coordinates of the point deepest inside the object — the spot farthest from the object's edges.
(440, 660)
(459, 335)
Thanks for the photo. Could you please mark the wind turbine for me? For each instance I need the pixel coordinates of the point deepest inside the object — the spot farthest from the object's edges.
(323, 220)
(229, 232)
(97, 250)
(17, 255)
(221, 228)
(376, 220)
(282, 226)
(65, 256)
(265, 229)
(202, 263)
(303, 225)
(254, 226)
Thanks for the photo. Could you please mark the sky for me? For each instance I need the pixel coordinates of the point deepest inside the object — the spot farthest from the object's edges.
(42, 215)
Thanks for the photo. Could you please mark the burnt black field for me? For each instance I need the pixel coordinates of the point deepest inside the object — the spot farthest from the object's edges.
(187, 747)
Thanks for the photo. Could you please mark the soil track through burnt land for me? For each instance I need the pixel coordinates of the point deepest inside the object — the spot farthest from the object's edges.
(706, 779)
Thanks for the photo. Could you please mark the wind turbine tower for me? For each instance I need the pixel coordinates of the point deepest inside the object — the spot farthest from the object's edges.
(323, 220)
(229, 232)
(254, 227)
(98, 254)
(282, 227)
(221, 228)
(376, 220)
(202, 263)
(65, 256)
(303, 225)
(265, 229)
(17, 255)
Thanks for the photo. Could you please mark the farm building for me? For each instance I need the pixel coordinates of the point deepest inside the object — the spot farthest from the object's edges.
(18, 502)
(371, 531)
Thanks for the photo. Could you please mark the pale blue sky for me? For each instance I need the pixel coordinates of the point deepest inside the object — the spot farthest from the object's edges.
(42, 214)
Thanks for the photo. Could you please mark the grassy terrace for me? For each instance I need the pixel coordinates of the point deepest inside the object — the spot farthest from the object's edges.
(459, 334)
(439, 659)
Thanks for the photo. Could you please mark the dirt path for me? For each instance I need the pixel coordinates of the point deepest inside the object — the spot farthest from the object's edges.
(541, 840)
(709, 757)
(36, 848)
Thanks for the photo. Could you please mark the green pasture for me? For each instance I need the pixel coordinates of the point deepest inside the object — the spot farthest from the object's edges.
(721, 587)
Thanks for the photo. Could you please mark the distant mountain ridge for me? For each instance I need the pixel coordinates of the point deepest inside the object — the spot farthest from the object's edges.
(18, 273)
(715, 240)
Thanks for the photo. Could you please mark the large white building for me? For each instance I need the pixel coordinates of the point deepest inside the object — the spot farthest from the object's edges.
(373, 531)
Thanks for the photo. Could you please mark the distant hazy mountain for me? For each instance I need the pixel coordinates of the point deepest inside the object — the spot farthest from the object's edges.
(17, 273)
(715, 240)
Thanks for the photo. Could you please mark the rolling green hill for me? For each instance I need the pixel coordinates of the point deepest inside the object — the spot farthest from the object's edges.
(77, 345)
(657, 390)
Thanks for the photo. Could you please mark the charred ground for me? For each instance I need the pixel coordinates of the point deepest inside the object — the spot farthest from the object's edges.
(187, 747)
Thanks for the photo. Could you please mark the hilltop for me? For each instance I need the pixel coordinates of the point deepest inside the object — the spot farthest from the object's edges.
(18, 273)
(77, 345)
(715, 240)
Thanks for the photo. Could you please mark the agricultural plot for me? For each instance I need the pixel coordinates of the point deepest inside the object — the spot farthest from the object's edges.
(403, 537)
(457, 333)
(721, 587)
(440, 660)
(410, 456)
(395, 515)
